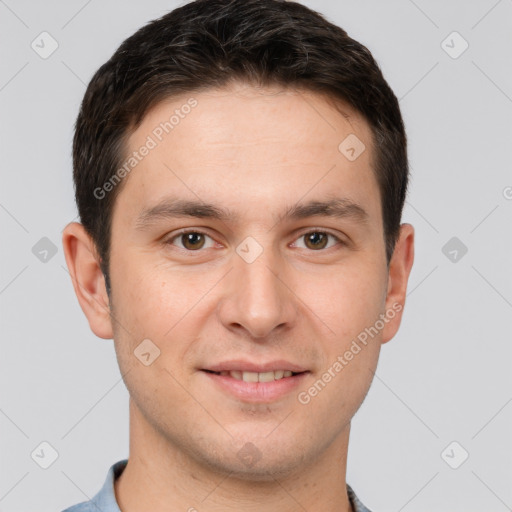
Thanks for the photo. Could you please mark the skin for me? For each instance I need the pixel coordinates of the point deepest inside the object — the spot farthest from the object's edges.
(256, 152)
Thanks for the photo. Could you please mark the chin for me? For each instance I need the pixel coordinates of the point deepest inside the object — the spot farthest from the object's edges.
(264, 470)
(263, 460)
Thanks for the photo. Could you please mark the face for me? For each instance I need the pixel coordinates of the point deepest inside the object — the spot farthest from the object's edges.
(263, 321)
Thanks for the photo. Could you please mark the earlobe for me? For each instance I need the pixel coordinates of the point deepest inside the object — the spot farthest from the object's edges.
(399, 271)
(88, 280)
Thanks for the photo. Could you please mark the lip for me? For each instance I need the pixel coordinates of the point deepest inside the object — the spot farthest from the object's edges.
(248, 366)
(256, 392)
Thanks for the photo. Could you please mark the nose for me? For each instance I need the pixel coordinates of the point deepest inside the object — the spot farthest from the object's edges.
(258, 299)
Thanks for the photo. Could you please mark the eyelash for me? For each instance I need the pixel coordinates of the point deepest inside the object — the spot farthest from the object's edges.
(196, 231)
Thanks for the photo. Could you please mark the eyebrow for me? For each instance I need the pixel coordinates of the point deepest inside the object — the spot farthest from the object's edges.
(171, 208)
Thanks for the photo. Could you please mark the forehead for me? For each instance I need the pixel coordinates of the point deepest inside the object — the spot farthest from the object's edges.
(268, 144)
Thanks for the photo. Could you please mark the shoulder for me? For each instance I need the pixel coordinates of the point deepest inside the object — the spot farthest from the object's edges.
(104, 499)
(85, 506)
(355, 502)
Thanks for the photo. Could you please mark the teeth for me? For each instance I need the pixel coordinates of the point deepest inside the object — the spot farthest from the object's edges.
(257, 377)
(250, 377)
(266, 377)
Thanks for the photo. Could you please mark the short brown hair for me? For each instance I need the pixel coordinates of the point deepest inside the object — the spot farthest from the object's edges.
(206, 44)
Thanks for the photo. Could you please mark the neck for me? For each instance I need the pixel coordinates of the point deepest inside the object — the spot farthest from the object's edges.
(160, 477)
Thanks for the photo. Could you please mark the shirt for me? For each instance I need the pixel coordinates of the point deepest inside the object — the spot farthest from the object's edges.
(105, 499)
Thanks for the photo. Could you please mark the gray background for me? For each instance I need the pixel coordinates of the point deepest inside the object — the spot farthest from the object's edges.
(447, 374)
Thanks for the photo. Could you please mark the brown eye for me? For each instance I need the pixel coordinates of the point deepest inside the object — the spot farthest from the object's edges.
(191, 241)
(316, 240)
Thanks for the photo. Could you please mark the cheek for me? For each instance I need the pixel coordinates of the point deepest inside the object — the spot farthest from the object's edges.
(151, 299)
(347, 301)
(149, 307)
(349, 305)
(159, 304)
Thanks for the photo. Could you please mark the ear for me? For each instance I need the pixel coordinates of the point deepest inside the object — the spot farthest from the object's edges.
(399, 270)
(88, 281)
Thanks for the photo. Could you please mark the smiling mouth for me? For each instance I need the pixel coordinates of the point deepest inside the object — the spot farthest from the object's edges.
(255, 376)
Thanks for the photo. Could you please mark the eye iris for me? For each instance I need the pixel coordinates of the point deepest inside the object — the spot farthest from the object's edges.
(190, 240)
(193, 240)
(319, 240)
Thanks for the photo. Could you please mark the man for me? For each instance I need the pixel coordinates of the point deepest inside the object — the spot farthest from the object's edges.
(240, 170)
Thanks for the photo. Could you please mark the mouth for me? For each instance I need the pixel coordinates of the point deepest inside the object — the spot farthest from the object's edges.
(256, 383)
(256, 376)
